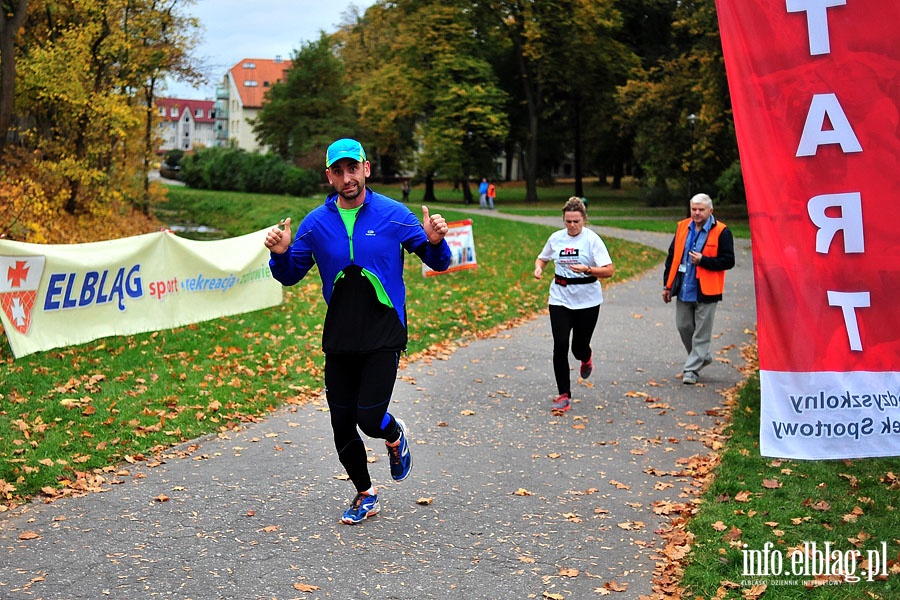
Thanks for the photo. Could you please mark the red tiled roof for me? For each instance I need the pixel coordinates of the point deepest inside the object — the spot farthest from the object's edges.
(182, 104)
(254, 76)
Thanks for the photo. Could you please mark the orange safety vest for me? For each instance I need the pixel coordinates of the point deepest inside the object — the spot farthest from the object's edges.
(712, 283)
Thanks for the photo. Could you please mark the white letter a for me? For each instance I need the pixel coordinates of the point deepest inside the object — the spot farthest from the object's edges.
(823, 105)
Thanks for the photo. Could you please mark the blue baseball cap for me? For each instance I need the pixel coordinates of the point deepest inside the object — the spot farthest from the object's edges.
(344, 148)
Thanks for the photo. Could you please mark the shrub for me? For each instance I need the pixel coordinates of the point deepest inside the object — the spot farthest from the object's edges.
(731, 185)
(233, 169)
(173, 157)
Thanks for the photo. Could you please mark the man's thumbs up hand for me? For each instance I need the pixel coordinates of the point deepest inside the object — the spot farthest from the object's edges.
(279, 237)
(435, 226)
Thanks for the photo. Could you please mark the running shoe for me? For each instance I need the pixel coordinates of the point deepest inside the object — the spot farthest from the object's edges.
(689, 378)
(363, 506)
(398, 453)
(562, 403)
(587, 367)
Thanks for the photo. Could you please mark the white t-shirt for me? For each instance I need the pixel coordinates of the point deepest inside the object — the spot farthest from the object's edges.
(586, 248)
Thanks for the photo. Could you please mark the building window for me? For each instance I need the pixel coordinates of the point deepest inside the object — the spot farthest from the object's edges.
(265, 84)
(250, 83)
(173, 112)
(162, 111)
(198, 113)
(249, 65)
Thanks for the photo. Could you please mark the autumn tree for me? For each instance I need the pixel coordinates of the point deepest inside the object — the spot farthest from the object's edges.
(309, 109)
(381, 87)
(559, 63)
(426, 96)
(647, 31)
(162, 37)
(656, 102)
(12, 15)
(515, 25)
(82, 136)
(590, 62)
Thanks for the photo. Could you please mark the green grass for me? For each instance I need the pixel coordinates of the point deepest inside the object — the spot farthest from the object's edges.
(854, 504)
(67, 416)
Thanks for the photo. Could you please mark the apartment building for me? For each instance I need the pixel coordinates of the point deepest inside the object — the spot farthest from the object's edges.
(240, 96)
(185, 124)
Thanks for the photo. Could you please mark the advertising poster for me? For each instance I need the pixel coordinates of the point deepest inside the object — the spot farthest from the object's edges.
(814, 88)
(61, 295)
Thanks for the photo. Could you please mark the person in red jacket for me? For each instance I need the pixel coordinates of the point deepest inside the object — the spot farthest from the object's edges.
(700, 253)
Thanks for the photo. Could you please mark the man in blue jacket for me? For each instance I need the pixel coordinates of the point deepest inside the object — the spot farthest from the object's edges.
(357, 238)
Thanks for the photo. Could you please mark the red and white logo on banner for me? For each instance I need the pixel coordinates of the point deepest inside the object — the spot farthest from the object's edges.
(19, 280)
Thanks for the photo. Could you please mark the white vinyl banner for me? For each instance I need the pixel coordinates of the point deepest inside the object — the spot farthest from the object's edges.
(61, 295)
(831, 414)
(814, 88)
(462, 248)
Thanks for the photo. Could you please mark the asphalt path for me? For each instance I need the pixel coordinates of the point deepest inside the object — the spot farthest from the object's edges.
(505, 501)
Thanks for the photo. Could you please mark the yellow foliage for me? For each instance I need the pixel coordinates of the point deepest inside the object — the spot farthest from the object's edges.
(33, 197)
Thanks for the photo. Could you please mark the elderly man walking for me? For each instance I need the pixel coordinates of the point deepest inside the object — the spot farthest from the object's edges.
(700, 253)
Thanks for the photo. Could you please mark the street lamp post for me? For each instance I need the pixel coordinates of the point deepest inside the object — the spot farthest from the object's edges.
(692, 121)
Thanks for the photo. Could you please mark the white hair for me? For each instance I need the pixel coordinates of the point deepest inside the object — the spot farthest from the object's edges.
(703, 199)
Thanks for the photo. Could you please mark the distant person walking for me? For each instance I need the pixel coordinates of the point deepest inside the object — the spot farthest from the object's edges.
(581, 261)
(700, 253)
(404, 189)
(365, 324)
(491, 194)
(482, 193)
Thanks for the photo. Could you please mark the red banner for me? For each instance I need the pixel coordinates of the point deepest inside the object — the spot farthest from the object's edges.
(815, 87)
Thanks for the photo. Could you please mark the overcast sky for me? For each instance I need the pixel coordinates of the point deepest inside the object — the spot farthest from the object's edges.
(235, 30)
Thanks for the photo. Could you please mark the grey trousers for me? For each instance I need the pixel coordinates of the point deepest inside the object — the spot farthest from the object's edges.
(694, 321)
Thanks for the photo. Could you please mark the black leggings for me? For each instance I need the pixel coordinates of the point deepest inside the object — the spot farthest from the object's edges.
(358, 388)
(580, 324)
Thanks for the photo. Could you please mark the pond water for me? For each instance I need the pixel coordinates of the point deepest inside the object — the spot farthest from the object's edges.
(197, 232)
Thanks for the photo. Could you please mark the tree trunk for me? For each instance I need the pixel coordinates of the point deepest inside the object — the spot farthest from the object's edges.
(618, 173)
(12, 15)
(510, 158)
(467, 192)
(532, 100)
(429, 189)
(149, 91)
(579, 175)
